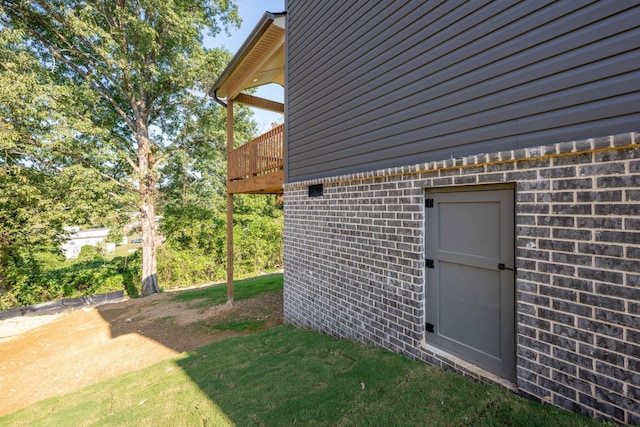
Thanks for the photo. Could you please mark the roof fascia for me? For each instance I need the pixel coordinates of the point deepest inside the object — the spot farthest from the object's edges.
(265, 22)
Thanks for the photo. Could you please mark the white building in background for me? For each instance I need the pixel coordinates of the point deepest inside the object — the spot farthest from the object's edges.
(79, 238)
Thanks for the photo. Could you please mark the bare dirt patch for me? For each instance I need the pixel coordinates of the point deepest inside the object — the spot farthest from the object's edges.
(45, 356)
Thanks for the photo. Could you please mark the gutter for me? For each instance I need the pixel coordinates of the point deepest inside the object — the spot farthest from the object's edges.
(215, 97)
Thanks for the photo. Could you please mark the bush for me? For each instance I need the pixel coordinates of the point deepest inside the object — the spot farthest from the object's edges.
(32, 285)
(33, 288)
(258, 245)
(88, 253)
(177, 269)
(131, 270)
(195, 252)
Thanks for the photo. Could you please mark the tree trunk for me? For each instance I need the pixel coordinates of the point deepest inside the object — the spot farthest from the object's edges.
(149, 270)
(148, 191)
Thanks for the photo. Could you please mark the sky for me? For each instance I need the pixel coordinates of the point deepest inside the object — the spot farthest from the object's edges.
(250, 12)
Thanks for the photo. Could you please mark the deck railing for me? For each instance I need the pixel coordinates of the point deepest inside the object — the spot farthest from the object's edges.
(261, 156)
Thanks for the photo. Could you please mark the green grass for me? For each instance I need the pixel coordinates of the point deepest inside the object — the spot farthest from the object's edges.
(239, 325)
(122, 251)
(242, 289)
(286, 377)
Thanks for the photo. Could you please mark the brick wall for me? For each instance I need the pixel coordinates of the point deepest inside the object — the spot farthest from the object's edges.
(354, 265)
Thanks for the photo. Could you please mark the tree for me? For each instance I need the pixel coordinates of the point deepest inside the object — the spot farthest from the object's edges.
(122, 75)
(193, 194)
(193, 191)
(26, 223)
(36, 196)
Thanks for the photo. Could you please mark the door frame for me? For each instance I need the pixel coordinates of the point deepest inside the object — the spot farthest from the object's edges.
(430, 291)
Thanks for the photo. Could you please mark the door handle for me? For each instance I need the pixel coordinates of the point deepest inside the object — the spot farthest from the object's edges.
(501, 266)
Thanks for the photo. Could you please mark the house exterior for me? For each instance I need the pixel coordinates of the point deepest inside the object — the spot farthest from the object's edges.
(79, 238)
(462, 186)
(256, 167)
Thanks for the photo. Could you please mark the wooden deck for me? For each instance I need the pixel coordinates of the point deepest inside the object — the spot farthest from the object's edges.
(258, 166)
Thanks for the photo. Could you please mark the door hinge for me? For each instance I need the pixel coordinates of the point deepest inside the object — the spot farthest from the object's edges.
(429, 263)
(430, 327)
(428, 203)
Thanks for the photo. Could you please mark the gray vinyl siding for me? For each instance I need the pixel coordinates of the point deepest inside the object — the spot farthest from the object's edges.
(374, 85)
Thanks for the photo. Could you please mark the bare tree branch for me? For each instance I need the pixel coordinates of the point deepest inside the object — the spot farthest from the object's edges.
(132, 164)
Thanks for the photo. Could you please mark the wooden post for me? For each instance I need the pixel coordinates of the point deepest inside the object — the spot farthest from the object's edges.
(229, 206)
(229, 248)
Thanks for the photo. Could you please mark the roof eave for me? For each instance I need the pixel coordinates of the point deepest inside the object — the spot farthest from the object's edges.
(263, 25)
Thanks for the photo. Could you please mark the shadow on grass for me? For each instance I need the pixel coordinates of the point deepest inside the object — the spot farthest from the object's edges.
(289, 376)
(286, 376)
(203, 312)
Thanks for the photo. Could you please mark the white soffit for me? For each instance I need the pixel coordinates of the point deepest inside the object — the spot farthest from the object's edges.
(259, 61)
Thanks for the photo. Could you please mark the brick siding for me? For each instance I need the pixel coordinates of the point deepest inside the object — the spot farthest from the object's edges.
(354, 262)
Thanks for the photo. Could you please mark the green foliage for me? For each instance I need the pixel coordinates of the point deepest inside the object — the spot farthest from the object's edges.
(258, 245)
(105, 112)
(92, 201)
(257, 248)
(195, 228)
(129, 267)
(195, 249)
(89, 253)
(27, 284)
(257, 233)
(28, 224)
(105, 93)
(182, 268)
(48, 260)
(91, 275)
(115, 236)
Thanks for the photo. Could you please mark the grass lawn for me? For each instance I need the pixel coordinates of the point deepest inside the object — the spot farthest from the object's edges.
(123, 251)
(286, 377)
(242, 289)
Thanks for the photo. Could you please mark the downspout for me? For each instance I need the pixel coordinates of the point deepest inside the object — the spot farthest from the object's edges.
(218, 100)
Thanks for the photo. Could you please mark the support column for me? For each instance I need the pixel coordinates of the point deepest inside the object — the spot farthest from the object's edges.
(229, 206)
(229, 248)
